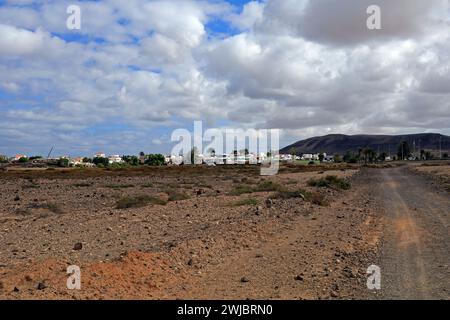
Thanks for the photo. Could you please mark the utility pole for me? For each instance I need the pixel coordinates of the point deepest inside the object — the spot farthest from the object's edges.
(420, 151)
(440, 147)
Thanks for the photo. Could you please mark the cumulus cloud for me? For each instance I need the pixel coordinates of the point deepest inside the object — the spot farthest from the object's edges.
(136, 71)
(344, 22)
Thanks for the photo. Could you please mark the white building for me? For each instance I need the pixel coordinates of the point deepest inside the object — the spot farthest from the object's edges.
(76, 161)
(115, 159)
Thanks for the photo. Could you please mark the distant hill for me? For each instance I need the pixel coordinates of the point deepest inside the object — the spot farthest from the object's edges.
(340, 143)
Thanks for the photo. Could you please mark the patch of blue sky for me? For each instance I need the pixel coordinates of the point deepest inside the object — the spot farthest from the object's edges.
(4, 95)
(239, 4)
(79, 37)
(219, 28)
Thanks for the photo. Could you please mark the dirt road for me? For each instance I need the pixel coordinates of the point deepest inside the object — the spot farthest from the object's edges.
(415, 247)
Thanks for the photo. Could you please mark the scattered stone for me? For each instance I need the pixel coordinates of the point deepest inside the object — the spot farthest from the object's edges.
(298, 278)
(78, 246)
(244, 280)
(17, 198)
(16, 289)
(28, 278)
(334, 294)
(41, 286)
(269, 203)
(109, 229)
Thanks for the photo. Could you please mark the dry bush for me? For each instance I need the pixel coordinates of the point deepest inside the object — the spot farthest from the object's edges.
(330, 182)
(175, 195)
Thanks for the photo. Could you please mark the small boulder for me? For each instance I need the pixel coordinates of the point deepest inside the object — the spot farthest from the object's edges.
(298, 278)
(244, 280)
(41, 286)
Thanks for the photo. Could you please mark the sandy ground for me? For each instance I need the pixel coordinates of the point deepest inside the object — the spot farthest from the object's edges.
(208, 245)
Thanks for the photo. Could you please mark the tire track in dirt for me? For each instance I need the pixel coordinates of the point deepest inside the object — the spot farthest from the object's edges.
(415, 249)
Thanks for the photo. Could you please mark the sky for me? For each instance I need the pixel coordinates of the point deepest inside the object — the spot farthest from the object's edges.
(137, 70)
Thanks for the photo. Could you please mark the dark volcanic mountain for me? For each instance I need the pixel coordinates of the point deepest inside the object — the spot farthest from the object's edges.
(339, 143)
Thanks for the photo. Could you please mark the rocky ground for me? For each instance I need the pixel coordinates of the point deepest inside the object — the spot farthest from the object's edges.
(205, 233)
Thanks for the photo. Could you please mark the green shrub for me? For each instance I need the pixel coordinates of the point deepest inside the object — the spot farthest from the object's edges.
(242, 189)
(63, 162)
(330, 182)
(155, 160)
(101, 162)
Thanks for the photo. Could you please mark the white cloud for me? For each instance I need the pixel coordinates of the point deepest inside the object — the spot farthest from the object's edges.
(16, 42)
(303, 66)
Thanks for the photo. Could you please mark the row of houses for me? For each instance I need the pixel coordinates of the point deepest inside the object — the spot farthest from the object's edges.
(249, 158)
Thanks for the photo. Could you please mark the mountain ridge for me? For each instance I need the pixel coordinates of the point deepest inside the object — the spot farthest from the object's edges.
(341, 143)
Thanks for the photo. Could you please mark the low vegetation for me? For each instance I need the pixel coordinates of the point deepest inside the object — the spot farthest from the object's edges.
(82, 184)
(30, 186)
(289, 194)
(267, 185)
(263, 186)
(147, 185)
(246, 202)
(138, 202)
(330, 182)
(175, 195)
(50, 206)
(241, 189)
(313, 197)
(120, 186)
